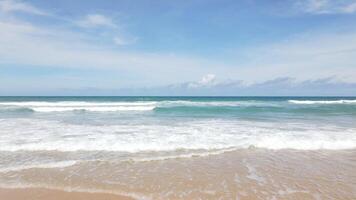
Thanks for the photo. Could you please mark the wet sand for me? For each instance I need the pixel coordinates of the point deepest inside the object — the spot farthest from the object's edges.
(49, 194)
(246, 174)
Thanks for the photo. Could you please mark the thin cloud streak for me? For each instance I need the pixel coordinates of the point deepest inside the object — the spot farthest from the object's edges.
(96, 20)
(304, 57)
(321, 7)
(18, 6)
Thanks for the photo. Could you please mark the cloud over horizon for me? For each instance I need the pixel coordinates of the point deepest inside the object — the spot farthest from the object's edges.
(282, 86)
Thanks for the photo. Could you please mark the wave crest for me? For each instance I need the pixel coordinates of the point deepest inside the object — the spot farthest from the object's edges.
(323, 102)
(87, 106)
(205, 134)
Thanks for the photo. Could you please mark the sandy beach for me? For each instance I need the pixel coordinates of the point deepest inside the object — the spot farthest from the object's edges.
(48, 194)
(243, 174)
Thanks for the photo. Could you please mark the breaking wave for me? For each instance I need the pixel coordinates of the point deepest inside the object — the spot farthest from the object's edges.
(322, 102)
(206, 134)
(87, 106)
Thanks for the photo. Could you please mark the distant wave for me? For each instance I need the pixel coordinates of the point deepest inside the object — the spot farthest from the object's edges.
(160, 106)
(322, 102)
(93, 108)
(76, 103)
(63, 106)
(87, 106)
(215, 103)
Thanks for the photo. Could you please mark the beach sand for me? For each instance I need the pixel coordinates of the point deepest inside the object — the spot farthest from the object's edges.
(49, 194)
(250, 174)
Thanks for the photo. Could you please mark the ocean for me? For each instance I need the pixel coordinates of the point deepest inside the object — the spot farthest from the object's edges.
(181, 147)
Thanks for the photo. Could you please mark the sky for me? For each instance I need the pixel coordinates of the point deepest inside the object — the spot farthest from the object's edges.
(174, 47)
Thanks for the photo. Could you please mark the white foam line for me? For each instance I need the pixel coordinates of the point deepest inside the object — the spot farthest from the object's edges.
(88, 106)
(183, 156)
(205, 134)
(137, 103)
(60, 164)
(322, 102)
(76, 103)
(215, 103)
(76, 189)
(96, 109)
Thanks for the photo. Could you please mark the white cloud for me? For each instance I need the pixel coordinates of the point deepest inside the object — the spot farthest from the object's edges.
(351, 8)
(305, 57)
(23, 43)
(101, 21)
(206, 81)
(30, 45)
(327, 6)
(96, 20)
(18, 6)
(316, 6)
(120, 41)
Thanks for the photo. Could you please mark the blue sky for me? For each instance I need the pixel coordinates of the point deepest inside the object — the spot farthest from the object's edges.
(168, 47)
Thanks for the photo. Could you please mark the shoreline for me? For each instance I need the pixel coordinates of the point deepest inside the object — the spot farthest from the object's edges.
(55, 194)
(244, 174)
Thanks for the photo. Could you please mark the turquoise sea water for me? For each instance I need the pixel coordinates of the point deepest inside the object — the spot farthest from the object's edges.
(136, 124)
(189, 106)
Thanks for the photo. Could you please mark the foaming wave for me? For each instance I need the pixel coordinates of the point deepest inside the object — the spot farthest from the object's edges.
(59, 164)
(215, 103)
(38, 135)
(76, 103)
(87, 106)
(64, 106)
(73, 189)
(184, 155)
(94, 109)
(323, 102)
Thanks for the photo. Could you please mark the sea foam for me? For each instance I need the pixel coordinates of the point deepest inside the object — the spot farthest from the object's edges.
(203, 134)
(59, 164)
(87, 106)
(322, 102)
(65, 106)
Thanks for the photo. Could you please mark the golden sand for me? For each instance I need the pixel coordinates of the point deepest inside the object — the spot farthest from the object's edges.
(251, 174)
(48, 194)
